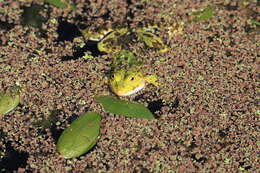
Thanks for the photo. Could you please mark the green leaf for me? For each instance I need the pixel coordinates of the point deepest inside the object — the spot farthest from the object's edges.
(59, 3)
(206, 14)
(125, 108)
(9, 100)
(80, 136)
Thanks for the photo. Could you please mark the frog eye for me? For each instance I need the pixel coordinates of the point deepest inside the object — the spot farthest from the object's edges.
(112, 76)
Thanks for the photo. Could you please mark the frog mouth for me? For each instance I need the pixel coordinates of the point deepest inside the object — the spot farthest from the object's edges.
(135, 90)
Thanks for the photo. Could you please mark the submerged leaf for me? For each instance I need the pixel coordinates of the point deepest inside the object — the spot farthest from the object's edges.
(206, 14)
(9, 100)
(32, 17)
(46, 123)
(125, 108)
(80, 136)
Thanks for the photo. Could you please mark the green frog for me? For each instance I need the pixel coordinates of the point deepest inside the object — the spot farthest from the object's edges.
(113, 40)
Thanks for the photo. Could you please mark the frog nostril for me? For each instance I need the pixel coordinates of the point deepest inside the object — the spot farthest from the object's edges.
(132, 78)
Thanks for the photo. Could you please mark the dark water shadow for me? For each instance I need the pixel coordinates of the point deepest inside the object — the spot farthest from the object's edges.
(155, 106)
(67, 31)
(13, 160)
(90, 46)
(6, 26)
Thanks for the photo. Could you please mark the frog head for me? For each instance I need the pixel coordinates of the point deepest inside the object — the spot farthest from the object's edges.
(126, 82)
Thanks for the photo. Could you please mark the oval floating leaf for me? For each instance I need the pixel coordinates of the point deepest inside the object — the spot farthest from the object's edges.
(9, 100)
(80, 136)
(60, 4)
(57, 3)
(128, 109)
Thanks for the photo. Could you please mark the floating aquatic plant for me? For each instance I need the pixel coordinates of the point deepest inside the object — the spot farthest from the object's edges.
(80, 136)
(204, 14)
(60, 3)
(125, 108)
(9, 99)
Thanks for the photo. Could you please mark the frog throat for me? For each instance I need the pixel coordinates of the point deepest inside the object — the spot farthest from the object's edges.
(133, 91)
